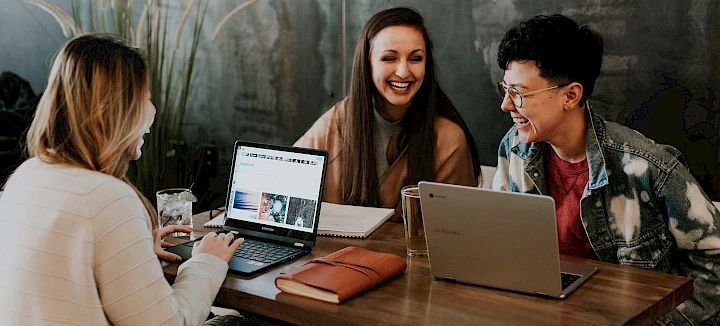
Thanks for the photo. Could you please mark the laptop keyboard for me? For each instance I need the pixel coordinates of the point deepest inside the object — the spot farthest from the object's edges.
(568, 279)
(263, 252)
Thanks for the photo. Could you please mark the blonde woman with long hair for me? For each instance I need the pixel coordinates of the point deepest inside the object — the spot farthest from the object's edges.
(77, 244)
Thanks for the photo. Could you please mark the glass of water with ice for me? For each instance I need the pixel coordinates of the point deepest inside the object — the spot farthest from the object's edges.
(175, 208)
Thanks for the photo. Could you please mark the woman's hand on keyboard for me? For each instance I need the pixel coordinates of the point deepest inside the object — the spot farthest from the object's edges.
(217, 244)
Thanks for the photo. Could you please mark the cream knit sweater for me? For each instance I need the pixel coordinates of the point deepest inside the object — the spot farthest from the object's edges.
(76, 249)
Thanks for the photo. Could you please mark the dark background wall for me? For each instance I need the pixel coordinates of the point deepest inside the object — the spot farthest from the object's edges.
(282, 63)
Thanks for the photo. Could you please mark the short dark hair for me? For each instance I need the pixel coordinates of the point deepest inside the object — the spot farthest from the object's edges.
(563, 51)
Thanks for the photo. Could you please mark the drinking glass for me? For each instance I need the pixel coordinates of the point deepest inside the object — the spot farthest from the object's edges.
(174, 208)
(412, 218)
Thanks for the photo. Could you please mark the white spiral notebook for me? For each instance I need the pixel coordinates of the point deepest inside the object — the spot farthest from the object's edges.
(217, 221)
(338, 220)
(351, 221)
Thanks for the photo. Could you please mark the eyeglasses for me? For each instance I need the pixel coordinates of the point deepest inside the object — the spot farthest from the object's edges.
(516, 97)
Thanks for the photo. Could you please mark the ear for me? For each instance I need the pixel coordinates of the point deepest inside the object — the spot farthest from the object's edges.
(573, 94)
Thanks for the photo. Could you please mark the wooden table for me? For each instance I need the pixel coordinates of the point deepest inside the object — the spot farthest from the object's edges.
(616, 295)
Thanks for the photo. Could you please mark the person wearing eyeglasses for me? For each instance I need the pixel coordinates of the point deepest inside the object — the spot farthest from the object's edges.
(620, 197)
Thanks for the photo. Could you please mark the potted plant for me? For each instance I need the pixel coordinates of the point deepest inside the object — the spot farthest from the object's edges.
(171, 59)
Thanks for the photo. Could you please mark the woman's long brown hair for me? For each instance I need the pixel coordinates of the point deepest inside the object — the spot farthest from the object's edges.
(359, 175)
(93, 108)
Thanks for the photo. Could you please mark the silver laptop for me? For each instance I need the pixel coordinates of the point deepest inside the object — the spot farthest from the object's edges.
(273, 201)
(498, 239)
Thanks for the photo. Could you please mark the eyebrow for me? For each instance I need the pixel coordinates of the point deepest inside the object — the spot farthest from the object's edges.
(516, 85)
(412, 52)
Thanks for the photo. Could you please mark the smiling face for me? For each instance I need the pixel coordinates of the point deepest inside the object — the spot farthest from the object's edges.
(541, 117)
(135, 149)
(397, 58)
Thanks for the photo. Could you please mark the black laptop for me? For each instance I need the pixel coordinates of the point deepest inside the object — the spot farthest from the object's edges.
(273, 201)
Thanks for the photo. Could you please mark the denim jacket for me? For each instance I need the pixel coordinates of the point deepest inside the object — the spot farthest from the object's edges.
(641, 207)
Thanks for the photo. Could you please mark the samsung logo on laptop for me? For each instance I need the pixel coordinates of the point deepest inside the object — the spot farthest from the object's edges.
(246, 164)
(265, 228)
(449, 232)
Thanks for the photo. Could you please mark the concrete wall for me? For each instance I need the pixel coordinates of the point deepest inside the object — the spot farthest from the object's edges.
(29, 40)
(281, 63)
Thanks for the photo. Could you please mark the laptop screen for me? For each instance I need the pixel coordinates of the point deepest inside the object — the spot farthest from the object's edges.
(276, 190)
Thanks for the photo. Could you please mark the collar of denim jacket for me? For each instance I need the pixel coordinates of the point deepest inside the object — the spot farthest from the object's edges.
(594, 136)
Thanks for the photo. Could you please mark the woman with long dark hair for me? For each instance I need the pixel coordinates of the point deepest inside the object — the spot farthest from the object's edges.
(396, 126)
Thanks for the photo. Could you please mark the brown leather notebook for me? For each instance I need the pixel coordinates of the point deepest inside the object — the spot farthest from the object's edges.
(341, 275)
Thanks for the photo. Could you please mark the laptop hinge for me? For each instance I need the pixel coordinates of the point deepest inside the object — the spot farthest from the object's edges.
(298, 244)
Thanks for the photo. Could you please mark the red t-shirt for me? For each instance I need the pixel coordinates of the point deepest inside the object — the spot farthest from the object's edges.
(566, 182)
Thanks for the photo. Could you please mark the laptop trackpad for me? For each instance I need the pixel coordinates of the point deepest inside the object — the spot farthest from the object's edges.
(242, 265)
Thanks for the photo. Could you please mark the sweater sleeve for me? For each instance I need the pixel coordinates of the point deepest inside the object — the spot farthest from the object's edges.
(128, 275)
(453, 161)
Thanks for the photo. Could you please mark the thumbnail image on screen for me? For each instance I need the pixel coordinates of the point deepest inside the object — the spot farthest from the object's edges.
(246, 204)
(273, 207)
(301, 212)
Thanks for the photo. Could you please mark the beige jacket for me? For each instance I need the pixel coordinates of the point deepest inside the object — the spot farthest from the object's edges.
(453, 163)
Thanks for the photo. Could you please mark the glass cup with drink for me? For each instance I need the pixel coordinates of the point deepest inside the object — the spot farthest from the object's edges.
(175, 208)
(412, 218)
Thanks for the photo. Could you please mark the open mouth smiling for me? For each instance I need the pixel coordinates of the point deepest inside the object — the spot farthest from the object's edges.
(401, 86)
(520, 122)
